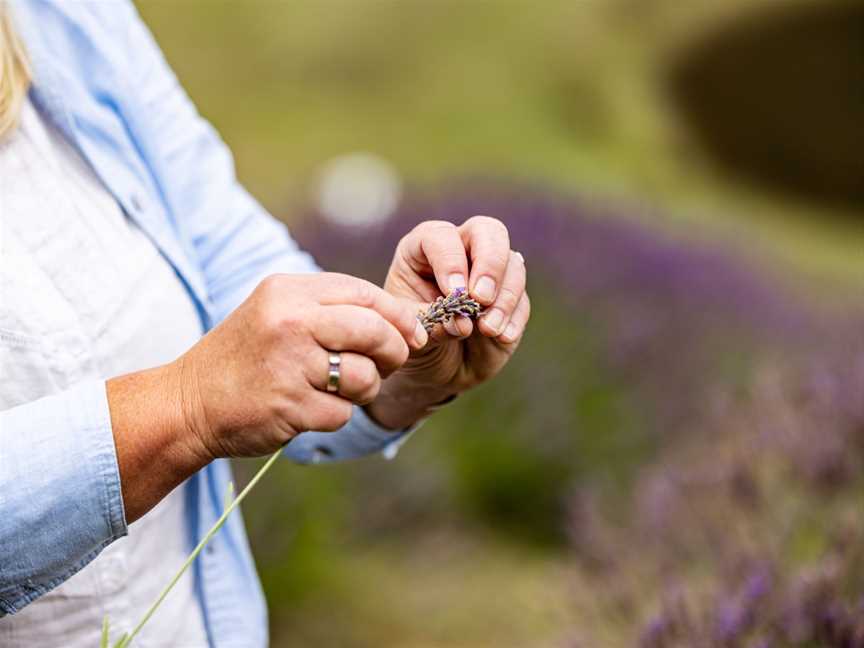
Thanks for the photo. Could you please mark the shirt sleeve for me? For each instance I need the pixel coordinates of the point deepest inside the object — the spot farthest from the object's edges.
(362, 436)
(60, 498)
(234, 240)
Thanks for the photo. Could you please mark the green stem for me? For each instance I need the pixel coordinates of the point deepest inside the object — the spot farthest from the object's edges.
(126, 640)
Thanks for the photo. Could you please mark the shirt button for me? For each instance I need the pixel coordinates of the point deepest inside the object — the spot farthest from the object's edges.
(321, 454)
(136, 202)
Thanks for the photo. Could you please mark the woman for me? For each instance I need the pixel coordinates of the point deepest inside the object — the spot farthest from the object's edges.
(156, 321)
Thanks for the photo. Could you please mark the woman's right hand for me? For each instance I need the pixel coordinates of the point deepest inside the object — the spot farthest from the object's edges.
(259, 378)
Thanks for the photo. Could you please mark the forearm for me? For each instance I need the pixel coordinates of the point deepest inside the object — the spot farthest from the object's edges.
(156, 448)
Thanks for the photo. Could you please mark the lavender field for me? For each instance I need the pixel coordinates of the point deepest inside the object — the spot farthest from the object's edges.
(674, 457)
(686, 427)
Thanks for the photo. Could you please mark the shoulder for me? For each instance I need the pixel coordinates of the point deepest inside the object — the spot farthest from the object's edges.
(81, 50)
(81, 14)
(61, 28)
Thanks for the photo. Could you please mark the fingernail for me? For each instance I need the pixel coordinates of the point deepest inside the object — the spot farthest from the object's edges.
(463, 326)
(511, 331)
(420, 335)
(485, 289)
(494, 319)
(451, 328)
(456, 280)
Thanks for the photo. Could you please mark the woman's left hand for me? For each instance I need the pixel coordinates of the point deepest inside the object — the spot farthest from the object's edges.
(433, 259)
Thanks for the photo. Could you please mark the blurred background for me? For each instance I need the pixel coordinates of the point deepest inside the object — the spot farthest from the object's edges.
(675, 457)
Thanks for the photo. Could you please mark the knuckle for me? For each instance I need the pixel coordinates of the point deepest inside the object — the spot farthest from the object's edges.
(487, 222)
(403, 353)
(392, 357)
(269, 308)
(330, 415)
(366, 325)
(364, 292)
(370, 394)
(342, 412)
(479, 219)
(266, 292)
(407, 319)
(267, 285)
(508, 297)
(373, 327)
(454, 258)
(428, 227)
(326, 278)
(367, 376)
(272, 283)
(270, 317)
(368, 385)
(498, 259)
(298, 419)
(340, 279)
(336, 277)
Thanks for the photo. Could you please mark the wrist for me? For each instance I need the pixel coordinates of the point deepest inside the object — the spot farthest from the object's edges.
(188, 413)
(158, 405)
(155, 451)
(400, 405)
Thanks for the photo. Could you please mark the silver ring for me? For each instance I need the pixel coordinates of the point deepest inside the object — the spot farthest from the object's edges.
(333, 372)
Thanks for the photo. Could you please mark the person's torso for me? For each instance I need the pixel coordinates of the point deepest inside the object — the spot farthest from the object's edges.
(85, 85)
(85, 294)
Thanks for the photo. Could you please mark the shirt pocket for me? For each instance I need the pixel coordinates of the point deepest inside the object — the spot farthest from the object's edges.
(35, 365)
(24, 368)
(42, 347)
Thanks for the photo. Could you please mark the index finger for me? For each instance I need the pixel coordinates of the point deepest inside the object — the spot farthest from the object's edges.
(346, 327)
(437, 247)
(488, 241)
(333, 288)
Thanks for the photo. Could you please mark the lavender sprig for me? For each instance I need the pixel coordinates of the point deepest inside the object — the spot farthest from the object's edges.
(446, 308)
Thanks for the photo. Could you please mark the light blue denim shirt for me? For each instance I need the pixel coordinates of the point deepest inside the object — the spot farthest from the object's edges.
(100, 78)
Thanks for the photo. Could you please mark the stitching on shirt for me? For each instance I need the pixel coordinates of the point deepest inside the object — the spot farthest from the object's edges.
(31, 593)
(109, 473)
(21, 340)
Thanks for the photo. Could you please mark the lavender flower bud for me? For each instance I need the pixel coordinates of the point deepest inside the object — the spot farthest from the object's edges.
(443, 309)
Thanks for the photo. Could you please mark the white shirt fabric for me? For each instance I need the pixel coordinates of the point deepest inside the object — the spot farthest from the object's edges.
(89, 296)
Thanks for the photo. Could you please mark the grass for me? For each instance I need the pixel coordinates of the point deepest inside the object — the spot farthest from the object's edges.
(406, 596)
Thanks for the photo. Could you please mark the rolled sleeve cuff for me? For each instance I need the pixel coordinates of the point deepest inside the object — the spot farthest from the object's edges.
(63, 501)
(359, 438)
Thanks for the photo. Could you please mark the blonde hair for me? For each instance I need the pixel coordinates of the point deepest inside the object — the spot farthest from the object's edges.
(14, 73)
